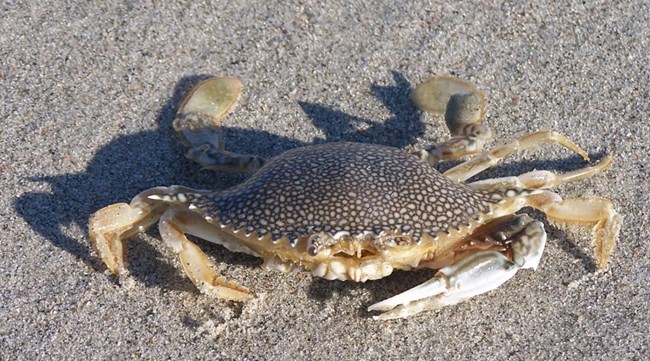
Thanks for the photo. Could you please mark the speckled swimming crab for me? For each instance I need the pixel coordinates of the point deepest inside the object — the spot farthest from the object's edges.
(353, 211)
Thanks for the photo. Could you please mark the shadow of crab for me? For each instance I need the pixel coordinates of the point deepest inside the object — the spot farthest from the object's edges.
(135, 162)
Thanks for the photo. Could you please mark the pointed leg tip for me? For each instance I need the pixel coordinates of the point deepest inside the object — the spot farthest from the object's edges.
(235, 295)
(602, 265)
(220, 288)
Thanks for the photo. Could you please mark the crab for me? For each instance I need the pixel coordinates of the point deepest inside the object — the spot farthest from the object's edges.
(356, 211)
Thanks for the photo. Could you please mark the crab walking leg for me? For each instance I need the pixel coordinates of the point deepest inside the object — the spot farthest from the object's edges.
(111, 226)
(472, 275)
(595, 211)
(542, 179)
(173, 225)
(198, 126)
(490, 158)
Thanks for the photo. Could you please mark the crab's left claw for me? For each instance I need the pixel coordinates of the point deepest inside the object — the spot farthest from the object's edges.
(472, 275)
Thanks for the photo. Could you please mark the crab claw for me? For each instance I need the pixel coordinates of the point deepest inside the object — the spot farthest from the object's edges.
(468, 277)
(432, 287)
(472, 275)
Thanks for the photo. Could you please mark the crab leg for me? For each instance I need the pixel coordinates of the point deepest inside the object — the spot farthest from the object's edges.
(198, 121)
(595, 211)
(542, 179)
(490, 158)
(110, 226)
(474, 274)
(173, 225)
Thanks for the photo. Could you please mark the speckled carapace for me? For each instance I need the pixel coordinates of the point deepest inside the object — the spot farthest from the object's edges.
(347, 187)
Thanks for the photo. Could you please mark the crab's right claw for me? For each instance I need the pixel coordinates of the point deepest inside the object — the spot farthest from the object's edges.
(472, 275)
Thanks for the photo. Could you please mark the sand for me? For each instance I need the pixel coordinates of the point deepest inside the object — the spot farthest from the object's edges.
(89, 91)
